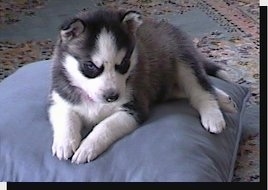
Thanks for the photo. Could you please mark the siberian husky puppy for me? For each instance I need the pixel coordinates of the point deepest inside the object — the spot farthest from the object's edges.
(110, 67)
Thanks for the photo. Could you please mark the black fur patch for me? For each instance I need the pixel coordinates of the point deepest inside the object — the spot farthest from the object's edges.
(211, 68)
(202, 78)
(125, 63)
(90, 70)
(135, 110)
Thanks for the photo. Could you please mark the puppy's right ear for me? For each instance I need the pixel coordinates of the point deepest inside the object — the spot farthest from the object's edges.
(71, 29)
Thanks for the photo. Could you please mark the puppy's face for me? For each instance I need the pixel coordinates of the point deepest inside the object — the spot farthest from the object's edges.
(100, 54)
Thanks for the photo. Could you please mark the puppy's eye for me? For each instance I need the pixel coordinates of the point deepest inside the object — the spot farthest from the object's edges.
(90, 66)
(123, 67)
(90, 70)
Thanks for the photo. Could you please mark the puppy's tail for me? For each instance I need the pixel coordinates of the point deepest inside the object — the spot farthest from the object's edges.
(216, 71)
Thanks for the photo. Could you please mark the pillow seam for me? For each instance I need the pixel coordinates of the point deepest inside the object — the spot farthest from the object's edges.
(238, 136)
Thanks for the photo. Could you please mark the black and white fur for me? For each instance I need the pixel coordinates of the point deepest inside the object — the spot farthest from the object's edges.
(110, 67)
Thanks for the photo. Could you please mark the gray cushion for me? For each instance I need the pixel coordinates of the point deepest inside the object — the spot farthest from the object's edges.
(170, 146)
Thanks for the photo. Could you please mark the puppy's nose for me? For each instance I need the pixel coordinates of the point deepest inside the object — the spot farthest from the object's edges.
(111, 96)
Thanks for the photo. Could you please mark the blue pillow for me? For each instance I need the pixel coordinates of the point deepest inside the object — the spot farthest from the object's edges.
(170, 146)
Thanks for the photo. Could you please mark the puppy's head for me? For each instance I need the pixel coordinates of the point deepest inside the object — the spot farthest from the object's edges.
(98, 52)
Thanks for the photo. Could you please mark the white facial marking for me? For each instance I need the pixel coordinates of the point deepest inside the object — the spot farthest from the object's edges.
(106, 48)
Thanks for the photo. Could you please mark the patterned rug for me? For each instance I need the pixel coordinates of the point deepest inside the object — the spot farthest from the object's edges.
(238, 52)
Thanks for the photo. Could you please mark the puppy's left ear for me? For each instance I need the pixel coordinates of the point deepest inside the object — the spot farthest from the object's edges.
(132, 20)
(71, 29)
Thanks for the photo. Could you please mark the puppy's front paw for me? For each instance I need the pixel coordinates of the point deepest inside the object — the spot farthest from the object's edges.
(87, 151)
(213, 121)
(63, 147)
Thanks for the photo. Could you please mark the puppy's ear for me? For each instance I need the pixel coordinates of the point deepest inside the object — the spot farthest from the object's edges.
(71, 29)
(132, 20)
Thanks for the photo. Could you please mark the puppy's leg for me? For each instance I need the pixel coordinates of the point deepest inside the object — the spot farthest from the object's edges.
(66, 126)
(104, 135)
(200, 93)
(226, 103)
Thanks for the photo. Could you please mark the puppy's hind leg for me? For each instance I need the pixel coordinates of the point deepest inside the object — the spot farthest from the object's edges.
(225, 101)
(200, 92)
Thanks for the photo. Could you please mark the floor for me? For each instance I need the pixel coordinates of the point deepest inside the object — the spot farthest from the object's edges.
(226, 31)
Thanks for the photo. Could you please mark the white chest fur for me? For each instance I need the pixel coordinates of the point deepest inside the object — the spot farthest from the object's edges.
(93, 113)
